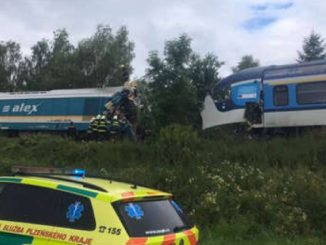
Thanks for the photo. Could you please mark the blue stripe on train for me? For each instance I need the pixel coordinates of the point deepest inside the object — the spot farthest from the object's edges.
(53, 126)
(297, 109)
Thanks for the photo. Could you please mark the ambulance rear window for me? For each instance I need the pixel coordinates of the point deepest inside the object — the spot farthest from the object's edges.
(152, 218)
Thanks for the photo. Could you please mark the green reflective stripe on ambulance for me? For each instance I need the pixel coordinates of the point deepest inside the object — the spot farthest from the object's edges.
(7, 179)
(12, 239)
(77, 191)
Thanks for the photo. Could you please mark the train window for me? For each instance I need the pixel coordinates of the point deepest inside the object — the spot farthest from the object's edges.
(311, 93)
(222, 93)
(281, 95)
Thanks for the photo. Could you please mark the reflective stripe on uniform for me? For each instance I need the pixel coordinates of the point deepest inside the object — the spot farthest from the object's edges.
(102, 126)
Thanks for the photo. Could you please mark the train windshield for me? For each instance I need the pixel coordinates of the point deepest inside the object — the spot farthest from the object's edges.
(221, 92)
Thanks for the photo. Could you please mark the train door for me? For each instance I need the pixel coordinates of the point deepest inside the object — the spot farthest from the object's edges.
(248, 95)
(277, 104)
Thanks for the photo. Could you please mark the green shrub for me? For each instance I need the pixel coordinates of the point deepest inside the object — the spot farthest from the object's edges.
(177, 144)
(236, 184)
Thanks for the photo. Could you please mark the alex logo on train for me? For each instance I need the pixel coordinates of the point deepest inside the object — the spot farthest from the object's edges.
(29, 109)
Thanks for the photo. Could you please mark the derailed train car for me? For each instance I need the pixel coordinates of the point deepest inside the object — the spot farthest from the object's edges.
(270, 97)
(52, 110)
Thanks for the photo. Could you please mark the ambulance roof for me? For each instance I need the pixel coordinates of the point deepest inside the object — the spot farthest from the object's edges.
(98, 188)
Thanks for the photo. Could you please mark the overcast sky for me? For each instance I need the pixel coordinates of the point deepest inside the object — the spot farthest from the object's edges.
(270, 30)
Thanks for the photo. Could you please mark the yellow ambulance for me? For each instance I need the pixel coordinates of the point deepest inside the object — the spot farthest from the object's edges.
(59, 209)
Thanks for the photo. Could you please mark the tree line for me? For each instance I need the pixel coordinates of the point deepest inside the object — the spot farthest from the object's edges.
(57, 64)
(173, 87)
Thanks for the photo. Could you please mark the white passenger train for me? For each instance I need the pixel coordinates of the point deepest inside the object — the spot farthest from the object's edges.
(270, 97)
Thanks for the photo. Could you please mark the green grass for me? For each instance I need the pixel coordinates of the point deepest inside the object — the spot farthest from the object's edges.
(227, 236)
(265, 191)
(263, 241)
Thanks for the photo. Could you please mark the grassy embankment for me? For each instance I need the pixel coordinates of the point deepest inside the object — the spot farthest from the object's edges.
(239, 191)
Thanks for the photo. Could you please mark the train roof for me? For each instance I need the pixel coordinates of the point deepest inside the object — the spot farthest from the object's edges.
(276, 70)
(62, 93)
(246, 74)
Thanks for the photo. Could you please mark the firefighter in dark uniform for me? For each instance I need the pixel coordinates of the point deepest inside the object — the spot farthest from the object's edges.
(90, 129)
(95, 125)
(115, 127)
(102, 128)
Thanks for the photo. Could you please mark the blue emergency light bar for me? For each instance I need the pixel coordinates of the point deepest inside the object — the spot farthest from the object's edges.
(79, 172)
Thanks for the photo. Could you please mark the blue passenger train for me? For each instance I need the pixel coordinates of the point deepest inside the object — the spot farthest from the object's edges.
(270, 97)
(52, 110)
